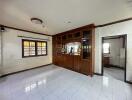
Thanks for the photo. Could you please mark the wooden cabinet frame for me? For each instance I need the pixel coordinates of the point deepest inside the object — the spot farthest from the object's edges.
(84, 66)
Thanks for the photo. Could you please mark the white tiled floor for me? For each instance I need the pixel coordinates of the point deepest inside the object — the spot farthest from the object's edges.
(115, 73)
(55, 83)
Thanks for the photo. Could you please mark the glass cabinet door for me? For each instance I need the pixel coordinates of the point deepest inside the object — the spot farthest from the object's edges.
(86, 44)
(85, 48)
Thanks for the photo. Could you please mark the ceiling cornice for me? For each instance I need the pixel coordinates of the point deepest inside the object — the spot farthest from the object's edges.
(97, 26)
(77, 29)
(24, 30)
(114, 22)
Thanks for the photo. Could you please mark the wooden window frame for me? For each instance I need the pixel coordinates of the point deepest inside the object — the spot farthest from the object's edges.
(36, 55)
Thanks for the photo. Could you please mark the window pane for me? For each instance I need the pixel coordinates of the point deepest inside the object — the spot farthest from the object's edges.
(32, 44)
(43, 44)
(39, 44)
(106, 48)
(29, 48)
(39, 52)
(26, 48)
(43, 52)
(32, 52)
(26, 43)
(41, 48)
(26, 53)
(32, 48)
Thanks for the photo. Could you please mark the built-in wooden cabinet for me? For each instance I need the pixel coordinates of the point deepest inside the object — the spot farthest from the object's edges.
(83, 60)
(106, 61)
(77, 63)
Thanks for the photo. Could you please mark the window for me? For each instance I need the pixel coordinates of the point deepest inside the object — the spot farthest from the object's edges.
(106, 48)
(32, 48)
(41, 48)
(29, 48)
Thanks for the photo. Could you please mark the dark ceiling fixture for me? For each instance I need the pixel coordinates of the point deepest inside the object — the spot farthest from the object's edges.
(2, 28)
(69, 22)
(36, 20)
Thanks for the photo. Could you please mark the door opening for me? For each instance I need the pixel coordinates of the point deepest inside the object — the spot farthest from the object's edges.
(114, 56)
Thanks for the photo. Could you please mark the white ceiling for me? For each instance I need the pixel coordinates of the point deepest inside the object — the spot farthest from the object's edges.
(57, 13)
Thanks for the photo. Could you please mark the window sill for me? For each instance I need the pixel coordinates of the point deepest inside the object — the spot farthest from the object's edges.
(33, 56)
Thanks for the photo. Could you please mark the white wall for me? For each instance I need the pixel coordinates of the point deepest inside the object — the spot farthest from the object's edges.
(12, 52)
(112, 30)
(116, 46)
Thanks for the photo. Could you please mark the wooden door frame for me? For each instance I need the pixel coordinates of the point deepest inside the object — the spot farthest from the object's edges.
(112, 37)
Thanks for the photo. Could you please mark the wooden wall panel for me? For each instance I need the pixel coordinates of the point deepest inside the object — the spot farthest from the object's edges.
(74, 62)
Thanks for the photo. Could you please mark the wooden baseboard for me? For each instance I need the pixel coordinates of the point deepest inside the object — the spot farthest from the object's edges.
(24, 70)
(98, 74)
(114, 66)
(129, 82)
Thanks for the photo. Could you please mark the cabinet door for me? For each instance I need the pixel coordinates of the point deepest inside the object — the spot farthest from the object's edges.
(77, 63)
(69, 61)
(106, 61)
(86, 45)
(86, 52)
(59, 60)
(86, 66)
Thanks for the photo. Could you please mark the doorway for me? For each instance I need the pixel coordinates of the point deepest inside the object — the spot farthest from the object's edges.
(114, 56)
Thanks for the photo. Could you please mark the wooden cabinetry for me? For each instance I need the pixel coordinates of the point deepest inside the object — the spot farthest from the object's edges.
(77, 63)
(84, 62)
(106, 61)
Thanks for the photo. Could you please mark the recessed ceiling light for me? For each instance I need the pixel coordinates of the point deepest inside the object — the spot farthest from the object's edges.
(69, 22)
(36, 21)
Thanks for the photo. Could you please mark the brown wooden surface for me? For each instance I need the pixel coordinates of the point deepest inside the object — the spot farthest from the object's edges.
(74, 62)
(85, 68)
(106, 61)
(77, 63)
(93, 52)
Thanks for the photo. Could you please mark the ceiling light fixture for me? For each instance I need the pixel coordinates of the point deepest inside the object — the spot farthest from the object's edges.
(69, 22)
(36, 21)
(2, 28)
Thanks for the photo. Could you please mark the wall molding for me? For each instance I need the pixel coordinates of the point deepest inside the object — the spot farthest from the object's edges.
(97, 26)
(90, 26)
(129, 82)
(114, 22)
(19, 29)
(98, 74)
(24, 70)
(115, 66)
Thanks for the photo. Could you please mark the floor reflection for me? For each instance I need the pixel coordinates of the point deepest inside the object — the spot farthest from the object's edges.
(32, 86)
(105, 81)
(56, 83)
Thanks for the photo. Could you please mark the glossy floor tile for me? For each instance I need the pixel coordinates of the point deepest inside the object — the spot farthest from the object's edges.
(115, 73)
(55, 83)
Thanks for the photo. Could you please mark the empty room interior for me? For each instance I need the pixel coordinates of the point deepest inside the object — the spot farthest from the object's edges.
(114, 56)
(66, 50)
